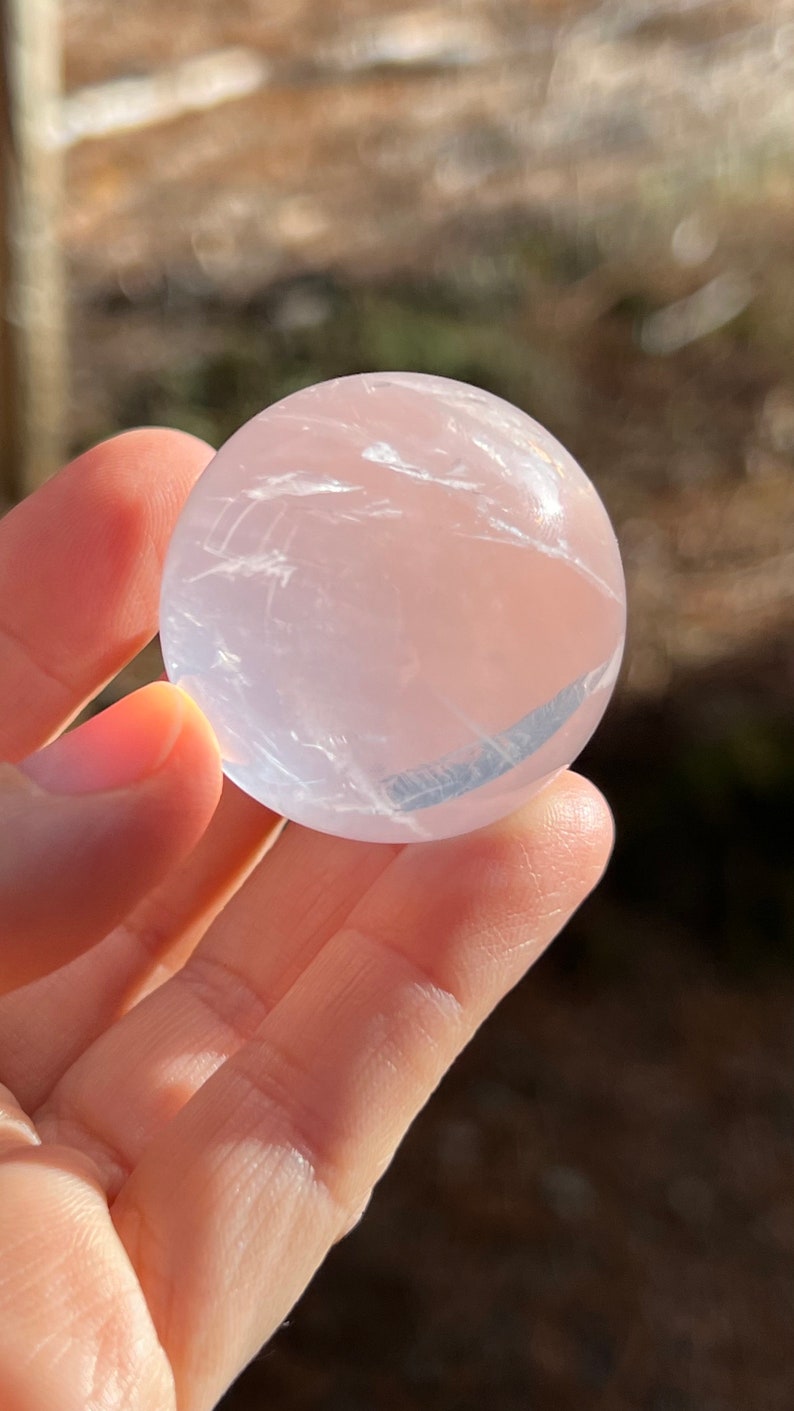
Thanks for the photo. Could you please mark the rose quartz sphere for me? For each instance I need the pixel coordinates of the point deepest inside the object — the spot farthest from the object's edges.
(400, 604)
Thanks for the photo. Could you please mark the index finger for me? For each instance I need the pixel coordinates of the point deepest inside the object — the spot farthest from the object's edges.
(80, 568)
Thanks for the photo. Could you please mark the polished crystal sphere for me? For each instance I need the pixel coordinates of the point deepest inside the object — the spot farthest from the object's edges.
(400, 604)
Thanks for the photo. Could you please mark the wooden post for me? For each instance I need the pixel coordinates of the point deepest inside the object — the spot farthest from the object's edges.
(33, 351)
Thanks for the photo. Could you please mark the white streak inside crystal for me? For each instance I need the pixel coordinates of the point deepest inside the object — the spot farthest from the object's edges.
(381, 453)
(274, 564)
(298, 484)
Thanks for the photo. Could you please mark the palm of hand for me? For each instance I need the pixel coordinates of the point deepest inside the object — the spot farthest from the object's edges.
(198, 1102)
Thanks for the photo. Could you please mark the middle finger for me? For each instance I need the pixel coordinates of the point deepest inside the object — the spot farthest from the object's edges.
(143, 1069)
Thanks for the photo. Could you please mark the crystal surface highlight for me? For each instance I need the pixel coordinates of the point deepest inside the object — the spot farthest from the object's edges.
(399, 601)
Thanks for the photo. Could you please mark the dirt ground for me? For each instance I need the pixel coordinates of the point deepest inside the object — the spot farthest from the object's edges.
(588, 209)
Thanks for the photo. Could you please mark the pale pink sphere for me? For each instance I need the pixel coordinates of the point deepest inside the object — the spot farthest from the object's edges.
(399, 602)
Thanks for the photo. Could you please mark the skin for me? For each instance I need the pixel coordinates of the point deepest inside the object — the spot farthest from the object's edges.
(214, 1032)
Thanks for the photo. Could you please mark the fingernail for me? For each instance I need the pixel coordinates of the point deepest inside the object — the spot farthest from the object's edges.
(128, 742)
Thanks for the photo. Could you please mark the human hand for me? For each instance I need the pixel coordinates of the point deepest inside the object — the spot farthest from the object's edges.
(210, 1045)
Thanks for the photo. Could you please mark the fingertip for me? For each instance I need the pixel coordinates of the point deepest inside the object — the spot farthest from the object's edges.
(153, 441)
(149, 470)
(155, 730)
(195, 754)
(180, 792)
(580, 806)
(578, 811)
(137, 483)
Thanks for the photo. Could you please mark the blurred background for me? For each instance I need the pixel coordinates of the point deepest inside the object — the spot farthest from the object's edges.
(586, 206)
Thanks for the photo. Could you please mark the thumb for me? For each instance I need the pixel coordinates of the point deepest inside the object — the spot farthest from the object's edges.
(94, 821)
